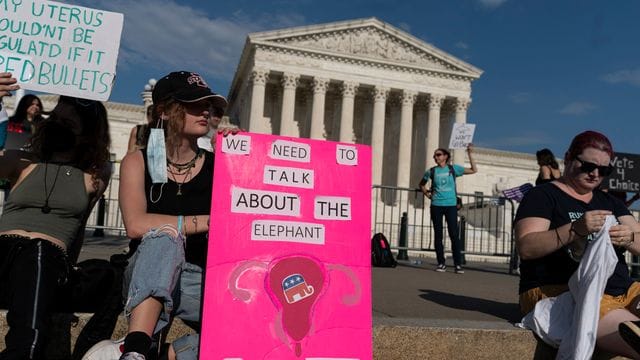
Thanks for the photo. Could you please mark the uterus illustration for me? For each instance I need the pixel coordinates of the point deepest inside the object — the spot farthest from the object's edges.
(294, 284)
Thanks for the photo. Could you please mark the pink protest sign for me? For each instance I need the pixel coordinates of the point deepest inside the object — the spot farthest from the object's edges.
(289, 265)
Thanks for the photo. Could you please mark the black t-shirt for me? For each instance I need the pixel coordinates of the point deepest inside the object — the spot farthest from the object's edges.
(549, 202)
(195, 199)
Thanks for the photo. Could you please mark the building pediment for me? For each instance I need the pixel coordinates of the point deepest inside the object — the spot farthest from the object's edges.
(369, 40)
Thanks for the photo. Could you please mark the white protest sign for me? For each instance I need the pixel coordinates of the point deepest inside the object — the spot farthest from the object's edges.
(461, 135)
(60, 48)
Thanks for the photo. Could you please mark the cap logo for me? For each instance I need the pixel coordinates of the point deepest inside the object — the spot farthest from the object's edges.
(197, 79)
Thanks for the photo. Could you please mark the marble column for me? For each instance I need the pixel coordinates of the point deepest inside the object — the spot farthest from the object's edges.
(258, 80)
(433, 128)
(462, 104)
(288, 125)
(317, 110)
(380, 95)
(404, 147)
(346, 116)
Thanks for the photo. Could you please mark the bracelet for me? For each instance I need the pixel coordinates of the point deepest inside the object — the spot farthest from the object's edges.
(194, 220)
(573, 229)
(180, 221)
(558, 237)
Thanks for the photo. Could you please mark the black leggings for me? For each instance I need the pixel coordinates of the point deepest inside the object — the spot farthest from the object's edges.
(31, 271)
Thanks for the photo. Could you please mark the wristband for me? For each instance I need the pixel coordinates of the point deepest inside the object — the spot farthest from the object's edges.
(180, 221)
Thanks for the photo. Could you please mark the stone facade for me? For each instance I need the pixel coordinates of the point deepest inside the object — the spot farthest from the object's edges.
(361, 81)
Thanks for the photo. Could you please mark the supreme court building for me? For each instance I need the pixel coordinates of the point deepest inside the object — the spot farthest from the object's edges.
(360, 81)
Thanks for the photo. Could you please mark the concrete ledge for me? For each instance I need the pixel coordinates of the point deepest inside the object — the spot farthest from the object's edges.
(401, 339)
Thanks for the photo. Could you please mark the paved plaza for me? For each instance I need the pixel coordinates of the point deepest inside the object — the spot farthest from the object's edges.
(485, 296)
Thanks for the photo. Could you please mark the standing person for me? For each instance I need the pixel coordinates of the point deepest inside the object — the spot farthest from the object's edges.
(549, 168)
(443, 195)
(555, 220)
(55, 186)
(140, 133)
(166, 204)
(23, 122)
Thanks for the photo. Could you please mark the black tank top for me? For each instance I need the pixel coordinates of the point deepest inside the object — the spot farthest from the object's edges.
(195, 200)
(540, 180)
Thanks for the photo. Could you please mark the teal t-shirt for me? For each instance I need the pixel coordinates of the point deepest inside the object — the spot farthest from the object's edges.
(444, 185)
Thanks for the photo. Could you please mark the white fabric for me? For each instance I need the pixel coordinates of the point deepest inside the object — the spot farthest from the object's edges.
(204, 142)
(571, 319)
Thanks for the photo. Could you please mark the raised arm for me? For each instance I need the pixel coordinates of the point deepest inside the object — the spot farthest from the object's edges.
(133, 202)
(472, 169)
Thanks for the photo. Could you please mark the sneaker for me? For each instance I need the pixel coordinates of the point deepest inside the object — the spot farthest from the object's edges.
(630, 332)
(441, 268)
(105, 350)
(459, 269)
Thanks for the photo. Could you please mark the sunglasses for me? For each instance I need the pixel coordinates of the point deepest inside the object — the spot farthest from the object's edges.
(587, 167)
(438, 154)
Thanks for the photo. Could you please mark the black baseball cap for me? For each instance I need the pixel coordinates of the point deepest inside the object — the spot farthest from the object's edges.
(185, 86)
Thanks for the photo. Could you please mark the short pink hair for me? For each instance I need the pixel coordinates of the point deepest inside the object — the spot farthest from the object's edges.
(588, 139)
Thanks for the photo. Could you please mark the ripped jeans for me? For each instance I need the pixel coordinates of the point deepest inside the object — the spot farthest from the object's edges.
(158, 269)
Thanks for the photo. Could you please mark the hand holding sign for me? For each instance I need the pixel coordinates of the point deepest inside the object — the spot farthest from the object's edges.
(7, 84)
(461, 135)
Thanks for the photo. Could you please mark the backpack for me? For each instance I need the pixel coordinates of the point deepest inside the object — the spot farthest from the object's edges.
(381, 255)
(432, 173)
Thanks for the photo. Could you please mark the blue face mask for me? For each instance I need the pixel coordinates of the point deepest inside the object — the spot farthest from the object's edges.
(157, 156)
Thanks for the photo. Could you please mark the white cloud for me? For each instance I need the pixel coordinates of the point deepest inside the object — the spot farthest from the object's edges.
(520, 97)
(492, 4)
(462, 45)
(631, 77)
(163, 33)
(578, 108)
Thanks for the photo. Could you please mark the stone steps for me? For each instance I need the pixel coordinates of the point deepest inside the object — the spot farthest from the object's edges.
(391, 340)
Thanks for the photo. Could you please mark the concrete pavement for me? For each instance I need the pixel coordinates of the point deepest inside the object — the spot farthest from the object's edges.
(484, 296)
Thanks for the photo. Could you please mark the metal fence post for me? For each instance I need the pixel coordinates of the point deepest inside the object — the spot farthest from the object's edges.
(463, 238)
(99, 231)
(402, 242)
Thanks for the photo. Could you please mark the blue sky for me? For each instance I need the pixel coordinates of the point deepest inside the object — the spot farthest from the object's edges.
(551, 68)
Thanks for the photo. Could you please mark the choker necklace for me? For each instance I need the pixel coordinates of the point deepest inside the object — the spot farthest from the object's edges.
(47, 193)
(188, 165)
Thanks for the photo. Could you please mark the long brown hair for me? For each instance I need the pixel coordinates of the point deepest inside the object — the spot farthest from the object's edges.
(76, 132)
(173, 123)
(20, 114)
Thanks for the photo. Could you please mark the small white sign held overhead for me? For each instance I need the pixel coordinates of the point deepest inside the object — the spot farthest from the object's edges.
(60, 48)
(461, 135)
